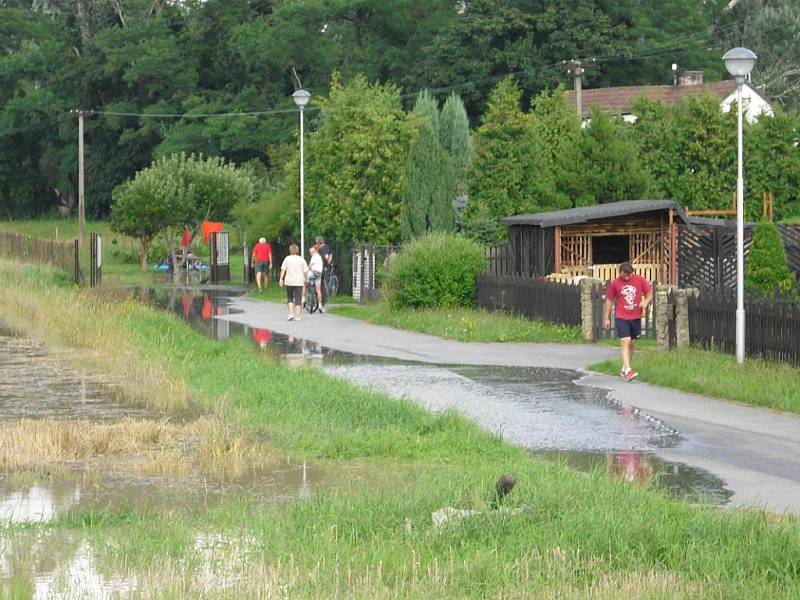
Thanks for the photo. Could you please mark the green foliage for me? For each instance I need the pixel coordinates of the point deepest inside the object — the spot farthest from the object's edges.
(437, 270)
(355, 172)
(177, 191)
(430, 183)
(454, 134)
(613, 171)
(767, 270)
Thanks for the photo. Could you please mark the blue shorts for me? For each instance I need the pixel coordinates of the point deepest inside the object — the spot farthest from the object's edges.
(628, 328)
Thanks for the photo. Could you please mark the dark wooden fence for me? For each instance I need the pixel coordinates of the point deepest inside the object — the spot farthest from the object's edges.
(533, 298)
(499, 260)
(62, 255)
(772, 326)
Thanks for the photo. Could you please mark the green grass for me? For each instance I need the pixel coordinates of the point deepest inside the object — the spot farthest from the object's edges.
(757, 382)
(467, 325)
(371, 536)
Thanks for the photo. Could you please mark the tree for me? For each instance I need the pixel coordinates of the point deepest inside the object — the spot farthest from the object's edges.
(455, 137)
(174, 192)
(510, 172)
(430, 185)
(611, 159)
(356, 162)
(767, 269)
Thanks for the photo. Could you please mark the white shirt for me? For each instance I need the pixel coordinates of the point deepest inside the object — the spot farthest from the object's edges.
(316, 263)
(295, 268)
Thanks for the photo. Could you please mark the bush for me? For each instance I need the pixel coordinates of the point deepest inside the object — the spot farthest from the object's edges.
(767, 271)
(437, 270)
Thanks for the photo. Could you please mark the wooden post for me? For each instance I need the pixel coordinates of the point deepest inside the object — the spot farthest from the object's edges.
(557, 266)
(673, 248)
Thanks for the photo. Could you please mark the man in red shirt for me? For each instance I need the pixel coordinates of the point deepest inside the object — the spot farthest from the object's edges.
(262, 261)
(632, 294)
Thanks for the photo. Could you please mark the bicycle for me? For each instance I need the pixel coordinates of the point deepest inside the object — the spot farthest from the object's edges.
(311, 303)
(331, 282)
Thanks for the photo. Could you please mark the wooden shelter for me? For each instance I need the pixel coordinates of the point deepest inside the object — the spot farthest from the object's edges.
(594, 240)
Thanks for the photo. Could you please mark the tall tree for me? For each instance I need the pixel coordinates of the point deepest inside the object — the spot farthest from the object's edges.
(356, 162)
(454, 134)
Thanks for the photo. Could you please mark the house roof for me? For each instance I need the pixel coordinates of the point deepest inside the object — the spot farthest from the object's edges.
(592, 213)
(619, 99)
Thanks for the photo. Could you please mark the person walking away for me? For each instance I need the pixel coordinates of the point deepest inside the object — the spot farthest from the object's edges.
(315, 274)
(262, 261)
(327, 260)
(293, 277)
(631, 293)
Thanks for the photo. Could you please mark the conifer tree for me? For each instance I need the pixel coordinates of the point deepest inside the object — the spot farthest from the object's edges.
(428, 196)
(455, 138)
(768, 271)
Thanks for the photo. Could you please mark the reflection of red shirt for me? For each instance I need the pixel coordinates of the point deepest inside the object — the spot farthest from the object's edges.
(206, 314)
(262, 251)
(629, 296)
(186, 302)
(262, 336)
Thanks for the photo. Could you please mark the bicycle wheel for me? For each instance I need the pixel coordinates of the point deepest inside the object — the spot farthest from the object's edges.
(311, 300)
(333, 285)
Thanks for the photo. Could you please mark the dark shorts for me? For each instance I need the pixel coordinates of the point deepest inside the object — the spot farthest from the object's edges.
(262, 267)
(630, 328)
(294, 293)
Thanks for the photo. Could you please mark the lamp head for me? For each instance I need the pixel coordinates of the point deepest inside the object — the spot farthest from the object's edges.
(301, 97)
(739, 62)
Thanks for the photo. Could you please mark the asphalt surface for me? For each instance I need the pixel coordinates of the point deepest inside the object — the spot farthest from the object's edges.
(755, 451)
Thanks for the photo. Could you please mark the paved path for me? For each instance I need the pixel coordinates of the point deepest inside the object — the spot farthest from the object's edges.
(755, 451)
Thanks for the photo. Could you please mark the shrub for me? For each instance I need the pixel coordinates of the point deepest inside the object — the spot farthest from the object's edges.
(437, 270)
(767, 269)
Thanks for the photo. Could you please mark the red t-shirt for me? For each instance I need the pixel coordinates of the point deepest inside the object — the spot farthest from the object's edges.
(628, 295)
(262, 251)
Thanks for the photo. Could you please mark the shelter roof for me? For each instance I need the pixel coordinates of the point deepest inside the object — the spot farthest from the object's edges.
(596, 212)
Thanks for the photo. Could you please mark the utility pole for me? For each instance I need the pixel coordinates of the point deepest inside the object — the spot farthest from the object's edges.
(576, 67)
(81, 200)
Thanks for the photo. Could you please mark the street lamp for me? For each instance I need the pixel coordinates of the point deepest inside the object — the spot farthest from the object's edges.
(739, 62)
(301, 98)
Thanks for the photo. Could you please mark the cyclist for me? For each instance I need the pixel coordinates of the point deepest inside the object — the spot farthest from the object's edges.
(315, 268)
(327, 260)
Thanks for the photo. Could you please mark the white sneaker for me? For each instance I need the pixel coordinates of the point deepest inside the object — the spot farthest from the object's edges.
(291, 318)
(321, 310)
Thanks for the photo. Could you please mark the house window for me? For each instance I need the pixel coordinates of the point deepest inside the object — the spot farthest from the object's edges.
(610, 249)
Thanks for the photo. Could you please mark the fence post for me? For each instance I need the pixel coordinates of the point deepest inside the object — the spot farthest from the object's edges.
(682, 318)
(661, 316)
(587, 309)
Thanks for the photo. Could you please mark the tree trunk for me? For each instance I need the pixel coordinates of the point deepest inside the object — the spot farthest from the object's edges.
(144, 245)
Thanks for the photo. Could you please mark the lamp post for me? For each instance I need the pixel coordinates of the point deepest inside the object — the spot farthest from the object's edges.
(739, 62)
(301, 98)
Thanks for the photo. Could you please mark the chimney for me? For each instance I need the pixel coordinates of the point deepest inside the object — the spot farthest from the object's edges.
(690, 78)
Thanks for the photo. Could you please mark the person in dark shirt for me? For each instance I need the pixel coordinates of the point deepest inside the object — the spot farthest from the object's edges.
(327, 260)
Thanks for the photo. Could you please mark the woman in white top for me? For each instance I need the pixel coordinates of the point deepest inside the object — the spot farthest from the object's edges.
(315, 274)
(293, 277)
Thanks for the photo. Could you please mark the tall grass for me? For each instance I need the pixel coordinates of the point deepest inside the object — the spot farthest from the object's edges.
(463, 324)
(371, 535)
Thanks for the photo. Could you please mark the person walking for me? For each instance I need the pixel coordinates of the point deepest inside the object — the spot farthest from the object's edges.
(262, 261)
(631, 293)
(293, 277)
(327, 261)
(315, 275)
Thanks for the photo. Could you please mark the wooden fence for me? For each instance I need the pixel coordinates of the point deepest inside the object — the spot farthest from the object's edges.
(62, 255)
(772, 327)
(534, 298)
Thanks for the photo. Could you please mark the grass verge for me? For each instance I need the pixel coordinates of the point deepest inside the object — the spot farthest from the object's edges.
(757, 382)
(563, 535)
(466, 325)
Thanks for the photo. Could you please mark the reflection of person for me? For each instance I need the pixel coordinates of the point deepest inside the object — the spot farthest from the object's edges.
(262, 336)
(293, 277)
(262, 261)
(207, 311)
(631, 465)
(631, 293)
(315, 274)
